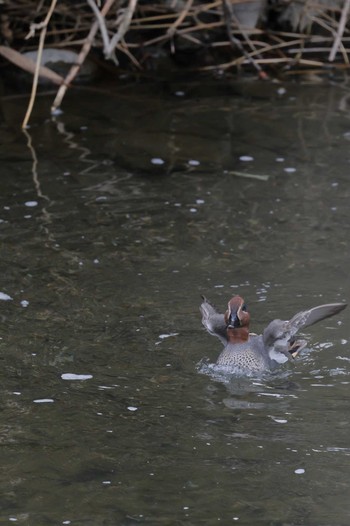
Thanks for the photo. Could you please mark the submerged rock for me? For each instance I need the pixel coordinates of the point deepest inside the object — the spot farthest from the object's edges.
(61, 60)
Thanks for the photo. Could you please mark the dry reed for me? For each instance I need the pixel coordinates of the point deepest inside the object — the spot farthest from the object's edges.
(308, 33)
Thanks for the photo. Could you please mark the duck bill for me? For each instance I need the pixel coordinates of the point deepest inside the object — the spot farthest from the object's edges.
(296, 347)
(234, 322)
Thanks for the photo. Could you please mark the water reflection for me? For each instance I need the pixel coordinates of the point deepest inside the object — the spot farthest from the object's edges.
(112, 263)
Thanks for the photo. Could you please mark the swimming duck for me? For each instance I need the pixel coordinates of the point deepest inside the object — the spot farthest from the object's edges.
(249, 353)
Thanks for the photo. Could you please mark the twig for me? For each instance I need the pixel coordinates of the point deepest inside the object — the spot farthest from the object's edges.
(227, 8)
(172, 29)
(341, 28)
(109, 45)
(260, 177)
(200, 27)
(123, 27)
(103, 30)
(43, 27)
(82, 55)
(123, 47)
(333, 31)
(243, 59)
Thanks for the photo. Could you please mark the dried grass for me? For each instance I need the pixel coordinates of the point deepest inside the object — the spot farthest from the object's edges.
(308, 33)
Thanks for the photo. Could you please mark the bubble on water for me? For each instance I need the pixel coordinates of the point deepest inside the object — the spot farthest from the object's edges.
(24, 303)
(163, 336)
(246, 158)
(193, 162)
(72, 376)
(299, 471)
(56, 111)
(290, 169)
(157, 161)
(132, 408)
(43, 401)
(31, 204)
(5, 297)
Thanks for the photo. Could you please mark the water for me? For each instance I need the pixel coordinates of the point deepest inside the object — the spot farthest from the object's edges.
(115, 217)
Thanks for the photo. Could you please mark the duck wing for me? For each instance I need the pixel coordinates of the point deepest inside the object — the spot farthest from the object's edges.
(310, 317)
(279, 334)
(213, 321)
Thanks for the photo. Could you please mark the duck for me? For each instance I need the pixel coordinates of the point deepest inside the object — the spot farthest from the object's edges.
(249, 353)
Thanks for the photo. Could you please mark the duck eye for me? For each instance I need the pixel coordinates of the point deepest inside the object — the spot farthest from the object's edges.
(244, 308)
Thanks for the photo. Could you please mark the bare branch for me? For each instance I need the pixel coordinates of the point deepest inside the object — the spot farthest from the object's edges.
(44, 25)
(343, 19)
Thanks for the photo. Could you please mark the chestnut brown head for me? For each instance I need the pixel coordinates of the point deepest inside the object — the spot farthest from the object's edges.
(237, 314)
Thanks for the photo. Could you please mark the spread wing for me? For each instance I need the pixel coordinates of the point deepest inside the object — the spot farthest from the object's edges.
(280, 333)
(309, 317)
(213, 321)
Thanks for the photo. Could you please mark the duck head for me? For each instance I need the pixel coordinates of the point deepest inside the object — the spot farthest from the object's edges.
(237, 320)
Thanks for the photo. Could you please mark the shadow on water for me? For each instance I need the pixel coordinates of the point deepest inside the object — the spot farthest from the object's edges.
(115, 216)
